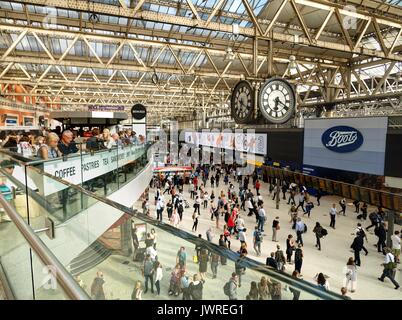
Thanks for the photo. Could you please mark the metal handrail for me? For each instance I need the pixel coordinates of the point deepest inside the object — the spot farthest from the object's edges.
(64, 278)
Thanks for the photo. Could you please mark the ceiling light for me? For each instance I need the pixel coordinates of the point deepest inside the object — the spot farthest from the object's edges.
(229, 55)
(292, 62)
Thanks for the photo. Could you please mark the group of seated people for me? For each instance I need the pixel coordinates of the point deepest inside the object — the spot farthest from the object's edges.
(53, 144)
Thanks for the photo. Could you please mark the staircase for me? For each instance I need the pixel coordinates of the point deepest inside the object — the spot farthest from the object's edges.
(95, 254)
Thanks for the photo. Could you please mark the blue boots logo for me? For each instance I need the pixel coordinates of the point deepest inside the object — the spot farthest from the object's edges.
(342, 139)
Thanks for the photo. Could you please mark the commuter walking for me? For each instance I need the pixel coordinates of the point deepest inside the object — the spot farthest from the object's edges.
(342, 203)
(357, 246)
(322, 282)
(280, 258)
(239, 269)
(148, 273)
(290, 247)
(284, 190)
(318, 196)
(389, 268)
(332, 213)
(271, 262)
(137, 292)
(257, 240)
(318, 231)
(292, 196)
(97, 292)
(301, 202)
(261, 218)
(214, 264)
(356, 203)
(375, 219)
(309, 207)
(169, 208)
(196, 288)
(230, 288)
(381, 233)
(197, 205)
(300, 228)
(275, 228)
(350, 275)
(158, 277)
(195, 221)
(360, 231)
(299, 258)
(396, 245)
(160, 205)
(253, 293)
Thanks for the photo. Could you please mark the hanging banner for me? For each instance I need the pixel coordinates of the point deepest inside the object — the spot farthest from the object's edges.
(243, 142)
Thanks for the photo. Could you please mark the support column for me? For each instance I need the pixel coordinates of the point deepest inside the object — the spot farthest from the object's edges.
(391, 219)
(125, 237)
(255, 53)
(270, 69)
(349, 81)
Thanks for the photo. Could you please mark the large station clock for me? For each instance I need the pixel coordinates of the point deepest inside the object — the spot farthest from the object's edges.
(277, 100)
(242, 102)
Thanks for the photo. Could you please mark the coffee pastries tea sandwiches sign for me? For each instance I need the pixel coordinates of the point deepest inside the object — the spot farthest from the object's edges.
(277, 100)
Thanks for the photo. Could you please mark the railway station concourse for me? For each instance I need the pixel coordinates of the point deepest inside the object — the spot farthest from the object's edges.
(200, 150)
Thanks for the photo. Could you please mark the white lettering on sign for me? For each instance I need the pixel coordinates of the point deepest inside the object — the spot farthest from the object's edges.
(342, 138)
(80, 169)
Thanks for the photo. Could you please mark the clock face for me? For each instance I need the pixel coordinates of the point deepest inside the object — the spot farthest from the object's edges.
(277, 100)
(242, 102)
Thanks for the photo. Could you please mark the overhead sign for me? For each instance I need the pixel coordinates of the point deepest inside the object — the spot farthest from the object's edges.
(342, 139)
(138, 111)
(105, 108)
(243, 142)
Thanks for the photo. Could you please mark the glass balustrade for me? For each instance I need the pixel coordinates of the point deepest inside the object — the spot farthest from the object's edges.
(105, 246)
(33, 191)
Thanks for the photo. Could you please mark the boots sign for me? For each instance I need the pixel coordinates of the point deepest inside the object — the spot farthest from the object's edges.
(342, 139)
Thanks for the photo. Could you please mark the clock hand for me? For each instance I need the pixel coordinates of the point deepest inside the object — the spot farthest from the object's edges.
(276, 103)
(282, 103)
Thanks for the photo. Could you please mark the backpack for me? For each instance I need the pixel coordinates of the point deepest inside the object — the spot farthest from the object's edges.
(226, 289)
(324, 232)
(305, 228)
(258, 236)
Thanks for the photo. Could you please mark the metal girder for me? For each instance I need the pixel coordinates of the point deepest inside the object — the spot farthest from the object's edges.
(330, 44)
(169, 36)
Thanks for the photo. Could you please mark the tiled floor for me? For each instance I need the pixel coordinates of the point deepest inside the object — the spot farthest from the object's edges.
(335, 246)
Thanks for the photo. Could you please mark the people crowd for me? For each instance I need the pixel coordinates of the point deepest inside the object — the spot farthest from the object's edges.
(232, 204)
(49, 144)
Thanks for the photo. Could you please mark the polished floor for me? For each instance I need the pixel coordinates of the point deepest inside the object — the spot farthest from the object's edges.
(335, 246)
